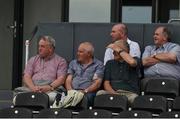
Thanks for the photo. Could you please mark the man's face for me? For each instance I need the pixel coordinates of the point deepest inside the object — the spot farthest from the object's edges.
(82, 54)
(44, 48)
(116, 33)
(159, 38)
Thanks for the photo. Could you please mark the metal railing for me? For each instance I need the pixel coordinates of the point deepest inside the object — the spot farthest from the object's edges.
(174, 21)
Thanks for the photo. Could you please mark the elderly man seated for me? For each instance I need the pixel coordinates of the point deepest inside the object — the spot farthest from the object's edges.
(86, 72)
(44, 72)
(121, 73)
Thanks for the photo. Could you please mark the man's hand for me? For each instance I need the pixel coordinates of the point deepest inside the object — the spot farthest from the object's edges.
(44, 88)
(114, 47)
(35, 89)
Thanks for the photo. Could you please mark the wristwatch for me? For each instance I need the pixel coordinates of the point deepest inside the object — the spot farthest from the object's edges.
(52, 88)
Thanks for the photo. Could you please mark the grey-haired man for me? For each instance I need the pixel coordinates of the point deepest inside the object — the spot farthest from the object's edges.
(46, 71)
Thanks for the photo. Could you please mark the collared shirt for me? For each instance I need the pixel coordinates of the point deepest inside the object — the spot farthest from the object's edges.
(46, 71)
(122, 76)
(134, 51)
(83, 76)
(163, 69)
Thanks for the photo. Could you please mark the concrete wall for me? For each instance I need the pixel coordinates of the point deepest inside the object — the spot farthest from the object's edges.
(6, 45)
(69, 35)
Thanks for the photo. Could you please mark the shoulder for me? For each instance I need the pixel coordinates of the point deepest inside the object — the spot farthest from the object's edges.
(150, 47)
(96, 61)
(34, 58)
(73, 62)
(170, 44)
(130, 42)
(59, 58)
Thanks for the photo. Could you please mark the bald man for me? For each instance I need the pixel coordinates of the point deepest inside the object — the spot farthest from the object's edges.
(120, 32)
(86, 72)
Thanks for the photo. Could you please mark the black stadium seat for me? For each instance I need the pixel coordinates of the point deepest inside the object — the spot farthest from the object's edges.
(55, 113)
(114, 103)
(176, 104)
(170, 115)
(31, 100)
(152, 103)
(167, 87)
(15, 113)
(135, 114)
(94, 113)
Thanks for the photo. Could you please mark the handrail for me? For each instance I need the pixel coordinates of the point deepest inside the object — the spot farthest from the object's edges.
(172, 20)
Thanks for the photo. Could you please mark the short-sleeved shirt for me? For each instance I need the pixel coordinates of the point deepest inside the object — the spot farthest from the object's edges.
(122, 76)
(163, 69)
(83, 77)
(134, 51)
(46, 71)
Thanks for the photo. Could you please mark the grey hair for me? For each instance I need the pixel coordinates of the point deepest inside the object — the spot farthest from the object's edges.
(49, 39)
(167, 33)
(89, 48)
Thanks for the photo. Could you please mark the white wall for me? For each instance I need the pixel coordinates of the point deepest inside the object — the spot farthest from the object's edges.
(89, 10)
(136, 14)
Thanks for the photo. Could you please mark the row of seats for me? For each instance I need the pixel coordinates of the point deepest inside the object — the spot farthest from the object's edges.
(93, 113)
(166, 87)
(155, 99)
(114, 103)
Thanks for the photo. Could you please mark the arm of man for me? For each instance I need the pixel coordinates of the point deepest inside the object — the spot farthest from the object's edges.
(108, 87)
(128, 58)
(148, 58)
(166, 57)
(29, 83)
(97, 78)
(56, 83)
(160, 57)
(149, 61)
(94, 87)
(68, 83)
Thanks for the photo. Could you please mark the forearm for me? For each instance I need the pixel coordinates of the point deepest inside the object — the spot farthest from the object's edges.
(58, 82)
(166, 57)
(68, 82)
(149, 61)
(108, 87)
(129, 59)
(94, 87)
(28, 81)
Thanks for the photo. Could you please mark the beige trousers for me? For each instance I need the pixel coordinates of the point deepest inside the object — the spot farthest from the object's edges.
(130, 95)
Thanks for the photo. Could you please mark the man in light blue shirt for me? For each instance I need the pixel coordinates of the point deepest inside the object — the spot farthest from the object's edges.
(86, 72)
(163, 58)
(120, 32)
